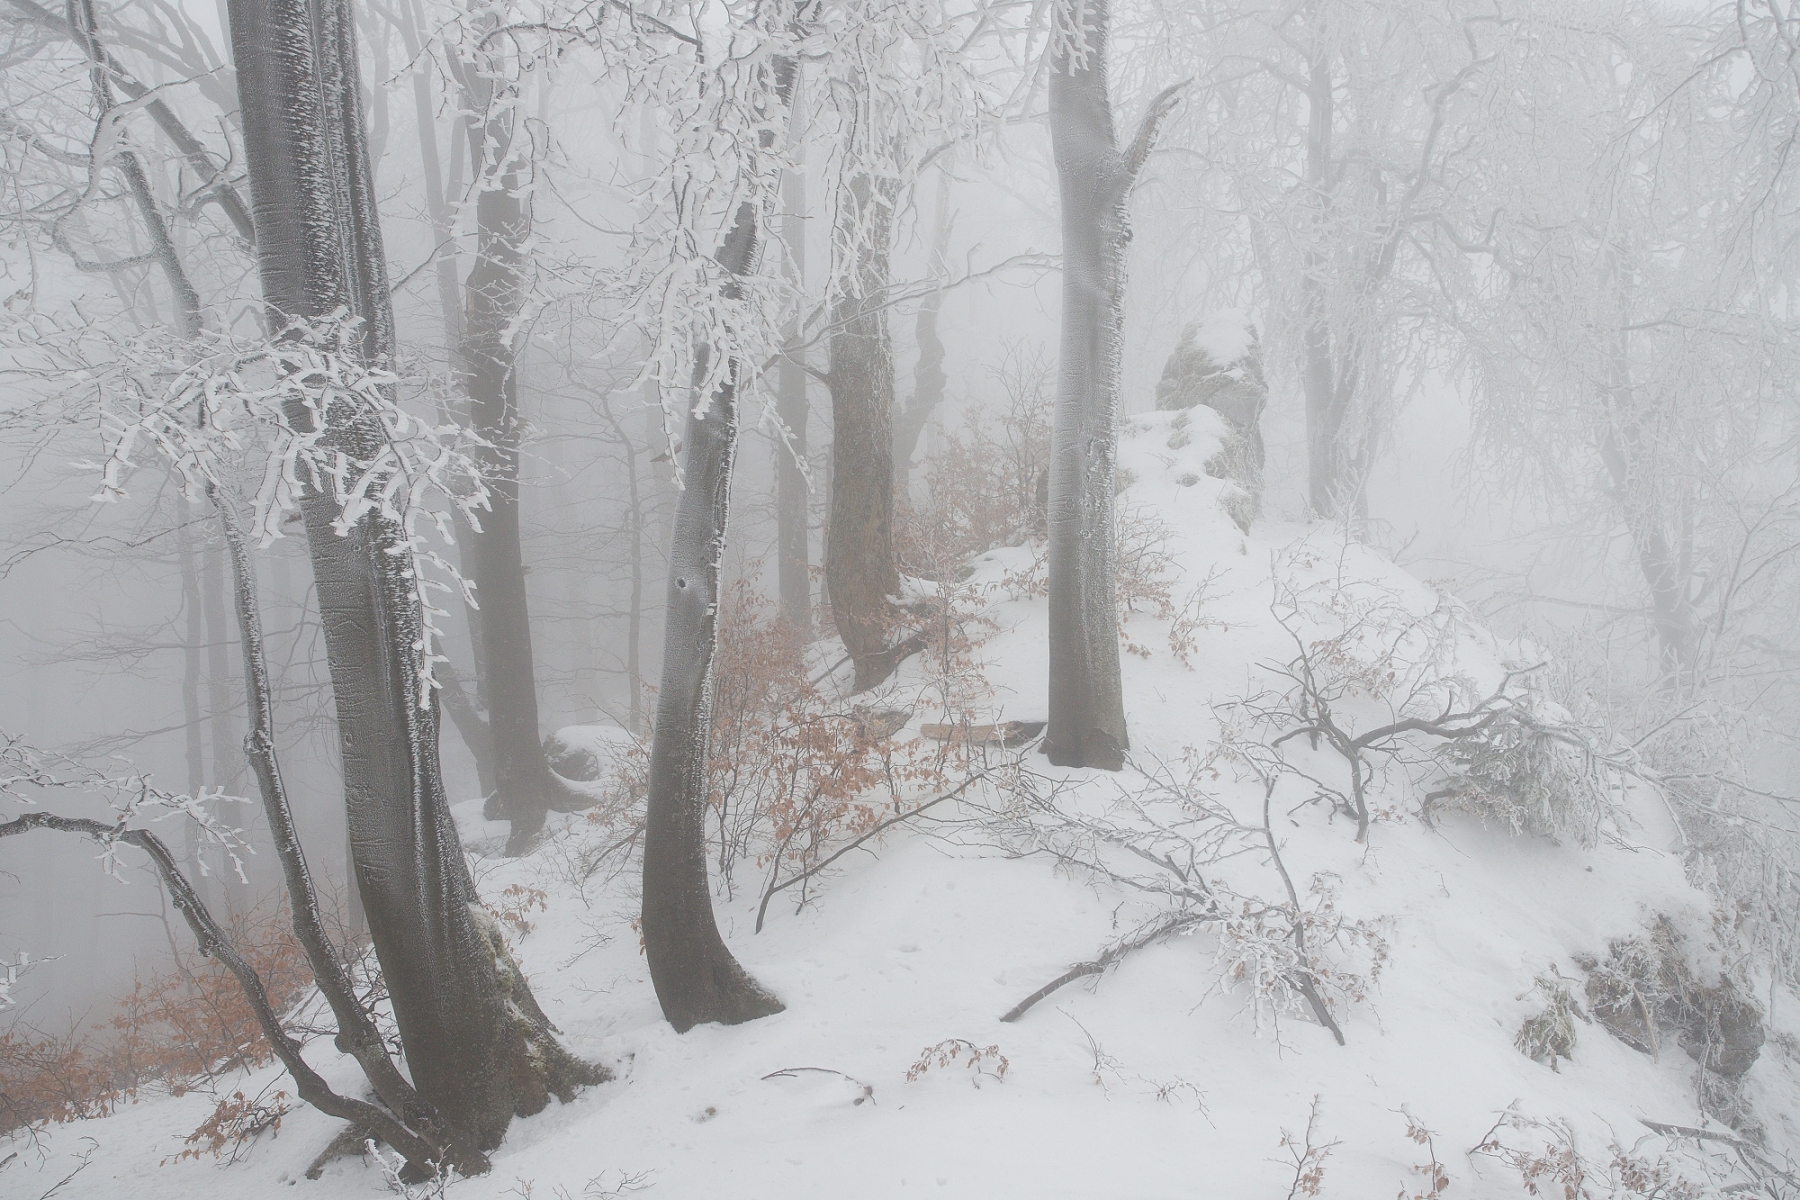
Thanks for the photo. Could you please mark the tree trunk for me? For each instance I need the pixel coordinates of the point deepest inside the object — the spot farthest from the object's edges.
(1642, 505)
(457, 998)
(1087, 707)
(634, 630)
(792, 495)
(928, 374)
(467, 709)
(1325, 402)
(696, 978)
(227, 750)
(494, 295)
(357, 1034)
(190, 703)
(859, 557)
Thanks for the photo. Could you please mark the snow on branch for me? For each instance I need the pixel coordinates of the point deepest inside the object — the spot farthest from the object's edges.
(26, 771)
(319, 417)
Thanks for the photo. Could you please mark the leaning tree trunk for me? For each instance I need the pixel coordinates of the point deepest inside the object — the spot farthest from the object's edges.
(696, 978)
(1087, 707)
(859, 557)
(357, 1033)
(457, 997)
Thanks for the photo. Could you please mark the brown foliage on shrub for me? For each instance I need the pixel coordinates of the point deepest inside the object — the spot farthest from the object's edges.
(178, 1029)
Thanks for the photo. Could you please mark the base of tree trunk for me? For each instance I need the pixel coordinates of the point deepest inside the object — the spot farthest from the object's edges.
(716, 990)
(872, 670)
(1095, 749)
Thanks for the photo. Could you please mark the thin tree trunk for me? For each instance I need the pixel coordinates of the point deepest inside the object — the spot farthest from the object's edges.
(1087, 707)
(214, 943)
(928, 374)
(634, 634)
(1326, 398)
(467, 709)
(227, 750)
(792, 494)
(697, 980)
(456, 995)
(1636, 491)
(191, 148)
(526, 787)
(195, 634)
(859, 557)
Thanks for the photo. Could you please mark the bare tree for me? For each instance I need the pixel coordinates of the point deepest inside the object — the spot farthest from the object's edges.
(696, 977)
(309, 168)
(1095, 178)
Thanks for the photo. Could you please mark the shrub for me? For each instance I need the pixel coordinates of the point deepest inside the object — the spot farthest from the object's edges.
(178, 1029)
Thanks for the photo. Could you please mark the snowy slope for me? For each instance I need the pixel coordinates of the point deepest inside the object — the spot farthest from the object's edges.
(1153, 1080)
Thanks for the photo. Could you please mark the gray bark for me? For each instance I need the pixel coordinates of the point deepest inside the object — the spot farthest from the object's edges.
(860, 572)
(357, 1034)
(1087, 709)
(928, 374)
(194, 636)
(1330, 479)
(227, 750)
(191, 148)
(457, 997)
(526, 788)
(697, 980)
(792, 496)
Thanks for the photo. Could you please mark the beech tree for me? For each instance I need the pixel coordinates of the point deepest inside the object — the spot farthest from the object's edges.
(1326, 134)
(1094, 180)
(903, 89)
(711, 315)
(477, 1048)
(495, 294)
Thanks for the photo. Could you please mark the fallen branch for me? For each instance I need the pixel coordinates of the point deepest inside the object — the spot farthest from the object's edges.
(1303, 978)
(868, 1090)
(769, 894)
(1169, 926)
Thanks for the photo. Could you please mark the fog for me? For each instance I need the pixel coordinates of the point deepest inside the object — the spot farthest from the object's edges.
(1506, 294)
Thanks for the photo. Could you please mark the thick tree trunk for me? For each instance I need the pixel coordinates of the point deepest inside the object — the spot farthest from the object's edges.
(357, 1034)
(456, 996)
(1087, 708)
(792, 496)
(859, 557)
(697, 980)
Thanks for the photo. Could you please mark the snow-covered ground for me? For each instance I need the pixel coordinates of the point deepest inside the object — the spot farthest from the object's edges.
(1155, 1079)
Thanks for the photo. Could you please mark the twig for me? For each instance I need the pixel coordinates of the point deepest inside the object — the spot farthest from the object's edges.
(763, 908)
(214, 944)
(1303, 977)
(868, 1090)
